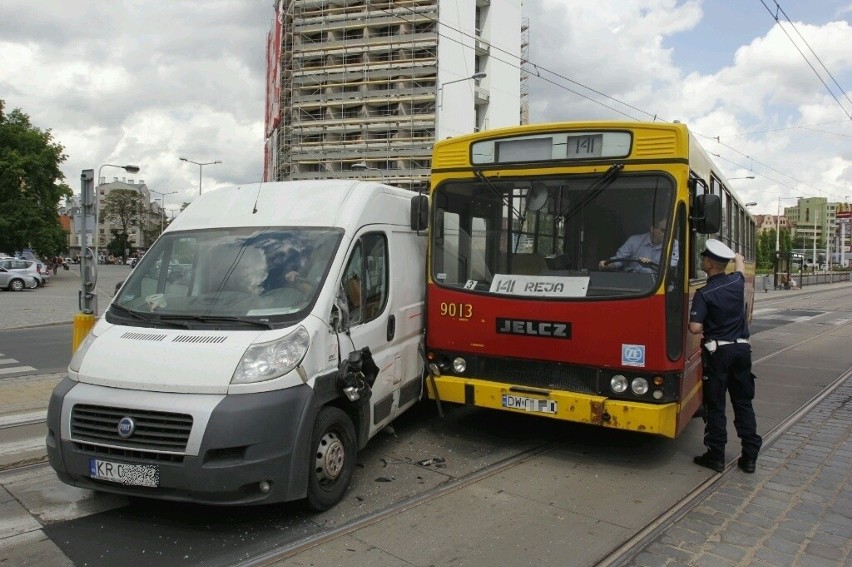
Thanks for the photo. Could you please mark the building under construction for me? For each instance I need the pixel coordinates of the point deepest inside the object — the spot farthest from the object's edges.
(362, 88)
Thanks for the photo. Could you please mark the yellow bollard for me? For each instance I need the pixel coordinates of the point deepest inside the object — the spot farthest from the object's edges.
(83, 323)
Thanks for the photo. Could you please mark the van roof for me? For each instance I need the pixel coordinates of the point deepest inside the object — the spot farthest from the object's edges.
(332, 202)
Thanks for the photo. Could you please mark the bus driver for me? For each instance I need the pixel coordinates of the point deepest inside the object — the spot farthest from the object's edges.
(641, 252)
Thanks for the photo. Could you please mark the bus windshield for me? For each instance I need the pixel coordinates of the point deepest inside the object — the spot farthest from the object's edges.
(556, 237)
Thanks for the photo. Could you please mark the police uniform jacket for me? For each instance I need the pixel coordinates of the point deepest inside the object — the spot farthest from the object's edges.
(719, 307)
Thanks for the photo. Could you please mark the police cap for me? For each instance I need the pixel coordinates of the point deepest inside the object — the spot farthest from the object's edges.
(716, 250)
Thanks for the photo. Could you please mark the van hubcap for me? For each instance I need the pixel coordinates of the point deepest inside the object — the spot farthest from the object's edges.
(330, 457)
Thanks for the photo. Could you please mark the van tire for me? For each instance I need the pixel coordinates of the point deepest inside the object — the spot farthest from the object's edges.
(332, 459)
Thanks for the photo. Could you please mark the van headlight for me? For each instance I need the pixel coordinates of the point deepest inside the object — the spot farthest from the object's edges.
(266, 361)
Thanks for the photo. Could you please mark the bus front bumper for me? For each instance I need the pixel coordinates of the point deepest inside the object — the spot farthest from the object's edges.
(656, 419)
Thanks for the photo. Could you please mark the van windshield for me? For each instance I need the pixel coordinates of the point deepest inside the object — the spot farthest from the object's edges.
(227, 276)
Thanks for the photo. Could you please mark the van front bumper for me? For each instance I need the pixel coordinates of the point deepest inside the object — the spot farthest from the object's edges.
(248, 449)
(656, 419)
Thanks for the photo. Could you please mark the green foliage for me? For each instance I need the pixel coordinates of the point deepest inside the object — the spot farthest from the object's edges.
(125, 209)
(766, 247)
(31, 187)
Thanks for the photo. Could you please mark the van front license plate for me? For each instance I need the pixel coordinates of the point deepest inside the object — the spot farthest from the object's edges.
(123, 473)
(529, 404)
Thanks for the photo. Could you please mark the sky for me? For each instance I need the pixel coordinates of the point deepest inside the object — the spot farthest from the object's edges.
(146, 82)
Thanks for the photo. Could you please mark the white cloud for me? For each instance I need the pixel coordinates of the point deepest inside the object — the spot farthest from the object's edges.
(627, 50)
(142, 82)
(146, 81)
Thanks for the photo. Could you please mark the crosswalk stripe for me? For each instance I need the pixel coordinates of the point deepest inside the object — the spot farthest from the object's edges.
(8, 361)
(15, 369)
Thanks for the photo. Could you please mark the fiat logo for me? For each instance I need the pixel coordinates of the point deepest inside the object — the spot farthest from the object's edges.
(126, 427)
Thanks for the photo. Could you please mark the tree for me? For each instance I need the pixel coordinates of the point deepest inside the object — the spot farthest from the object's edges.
(31, 187)
(126, 209)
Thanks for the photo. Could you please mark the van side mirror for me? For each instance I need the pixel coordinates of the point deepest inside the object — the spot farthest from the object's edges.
(707, 214)
(419, 212)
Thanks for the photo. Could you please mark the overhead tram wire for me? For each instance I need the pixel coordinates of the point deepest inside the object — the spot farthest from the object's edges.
(842, 90)
(798, 181)
(775, 17)
(803, 126)
(537, 68)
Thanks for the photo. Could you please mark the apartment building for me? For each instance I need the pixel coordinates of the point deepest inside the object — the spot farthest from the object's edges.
(362, 88)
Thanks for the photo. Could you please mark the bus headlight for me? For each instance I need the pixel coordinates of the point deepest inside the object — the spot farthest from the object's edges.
(459, 365)
(639, 386)
(266, 361)
(618, 383)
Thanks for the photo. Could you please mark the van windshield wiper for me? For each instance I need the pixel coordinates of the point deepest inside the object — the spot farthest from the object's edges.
(218, 319)
(130, 312)
(147, 317)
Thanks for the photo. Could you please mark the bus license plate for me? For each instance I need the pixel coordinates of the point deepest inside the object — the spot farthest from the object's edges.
(529, 404)
(123, 473)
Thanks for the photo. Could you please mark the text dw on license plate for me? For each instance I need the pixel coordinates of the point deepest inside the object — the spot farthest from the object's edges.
(529, 404)
(123, 473)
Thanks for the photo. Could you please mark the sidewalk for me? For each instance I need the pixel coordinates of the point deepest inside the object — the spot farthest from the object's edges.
(796, 509)
(57, 302)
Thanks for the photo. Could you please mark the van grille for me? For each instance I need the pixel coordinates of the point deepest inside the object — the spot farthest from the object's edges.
(155, 430)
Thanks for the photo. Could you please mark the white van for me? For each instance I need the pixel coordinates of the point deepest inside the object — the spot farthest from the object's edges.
(264, 338)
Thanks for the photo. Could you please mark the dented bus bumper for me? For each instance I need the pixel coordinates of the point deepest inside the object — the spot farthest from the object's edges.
(656, 419)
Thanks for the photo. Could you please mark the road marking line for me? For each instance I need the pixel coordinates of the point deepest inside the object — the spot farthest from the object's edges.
(22, 418)
(23, 445)
(8, 361)
(15, 369)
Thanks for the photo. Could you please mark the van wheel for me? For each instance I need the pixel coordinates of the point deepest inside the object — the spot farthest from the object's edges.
(333, 458)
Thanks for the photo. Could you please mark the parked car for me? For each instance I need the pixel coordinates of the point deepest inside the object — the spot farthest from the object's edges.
(32, 268)
(16, 281)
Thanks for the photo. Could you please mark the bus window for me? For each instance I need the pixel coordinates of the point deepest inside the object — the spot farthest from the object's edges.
(483, 228)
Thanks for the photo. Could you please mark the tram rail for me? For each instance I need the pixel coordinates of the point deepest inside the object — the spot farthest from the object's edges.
(619, 556)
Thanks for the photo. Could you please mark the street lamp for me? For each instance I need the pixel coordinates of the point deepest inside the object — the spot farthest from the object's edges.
(162, 204)
(475, 76)
(363, 166)
(750, 204)
(745, 177)
(200, 168)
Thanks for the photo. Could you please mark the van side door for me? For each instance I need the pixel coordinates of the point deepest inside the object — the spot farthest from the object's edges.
(366, 285)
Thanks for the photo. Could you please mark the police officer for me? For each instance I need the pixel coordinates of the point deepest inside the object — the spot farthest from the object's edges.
(718, 312)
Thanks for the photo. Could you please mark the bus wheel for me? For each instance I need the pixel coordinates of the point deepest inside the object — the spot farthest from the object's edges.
(333, 458)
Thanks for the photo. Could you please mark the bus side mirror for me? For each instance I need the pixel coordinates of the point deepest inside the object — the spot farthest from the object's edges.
(419, 212)
(707, 216)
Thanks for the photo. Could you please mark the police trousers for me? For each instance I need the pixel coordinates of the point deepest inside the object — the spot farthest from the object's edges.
(728, 369)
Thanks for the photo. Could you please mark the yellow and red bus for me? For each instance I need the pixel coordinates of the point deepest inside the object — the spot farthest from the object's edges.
(528, 309)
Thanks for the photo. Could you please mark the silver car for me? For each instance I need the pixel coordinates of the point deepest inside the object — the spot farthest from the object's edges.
(16, 281)
(32, 268)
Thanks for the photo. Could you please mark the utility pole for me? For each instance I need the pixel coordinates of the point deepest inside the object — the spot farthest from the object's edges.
(87, 300)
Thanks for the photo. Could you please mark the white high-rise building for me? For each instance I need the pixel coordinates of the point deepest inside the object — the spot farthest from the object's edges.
(373, 83)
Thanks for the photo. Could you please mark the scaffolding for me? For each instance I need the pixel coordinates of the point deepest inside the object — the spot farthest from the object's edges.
(358, 86)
